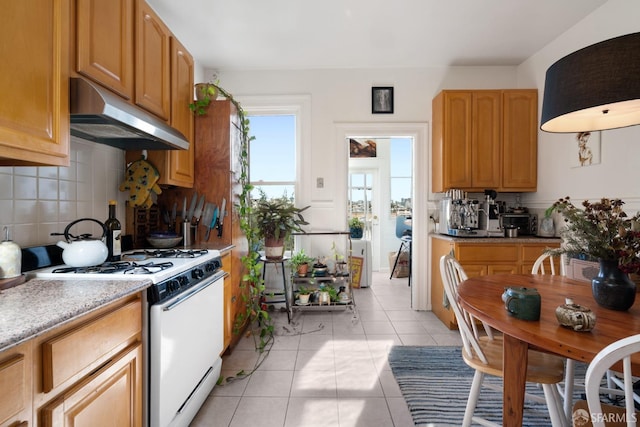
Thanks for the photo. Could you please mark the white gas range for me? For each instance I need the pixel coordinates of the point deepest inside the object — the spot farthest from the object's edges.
(183, 325)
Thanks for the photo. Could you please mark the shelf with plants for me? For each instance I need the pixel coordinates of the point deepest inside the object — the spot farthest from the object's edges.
(328, 286)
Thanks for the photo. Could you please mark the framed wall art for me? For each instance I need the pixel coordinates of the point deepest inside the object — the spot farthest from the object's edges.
(382, 100)
(587, 149)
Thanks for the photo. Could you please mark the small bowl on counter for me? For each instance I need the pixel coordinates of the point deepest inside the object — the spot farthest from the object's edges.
(163, 240)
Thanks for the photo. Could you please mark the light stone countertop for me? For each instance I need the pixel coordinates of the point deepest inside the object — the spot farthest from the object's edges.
(37, 306)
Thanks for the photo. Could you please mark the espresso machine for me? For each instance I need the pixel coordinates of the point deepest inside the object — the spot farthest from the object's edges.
(460, 216)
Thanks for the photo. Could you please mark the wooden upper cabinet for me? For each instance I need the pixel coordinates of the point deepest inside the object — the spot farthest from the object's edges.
(153, 63)
(34, 83)
(520, 140)
(176, 167)
(485, 142)
(451, 153)
(484, 139)
(104, 43)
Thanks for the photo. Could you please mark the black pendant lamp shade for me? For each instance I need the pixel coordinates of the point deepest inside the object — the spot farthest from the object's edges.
(594, 88)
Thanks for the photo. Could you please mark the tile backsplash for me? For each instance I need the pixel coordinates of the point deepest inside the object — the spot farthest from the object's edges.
(36, 201)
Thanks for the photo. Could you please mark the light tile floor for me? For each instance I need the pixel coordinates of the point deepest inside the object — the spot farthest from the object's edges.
(327, 368)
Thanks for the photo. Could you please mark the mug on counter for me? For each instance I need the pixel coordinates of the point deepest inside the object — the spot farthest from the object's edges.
(522, 303)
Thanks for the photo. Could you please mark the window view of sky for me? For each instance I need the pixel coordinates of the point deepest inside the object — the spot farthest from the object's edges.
(272, 154)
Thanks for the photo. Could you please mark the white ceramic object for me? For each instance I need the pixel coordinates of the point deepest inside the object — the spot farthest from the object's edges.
(84, 252)
(10, 258)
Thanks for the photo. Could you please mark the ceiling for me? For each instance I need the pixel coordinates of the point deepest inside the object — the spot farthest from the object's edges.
(304, 34)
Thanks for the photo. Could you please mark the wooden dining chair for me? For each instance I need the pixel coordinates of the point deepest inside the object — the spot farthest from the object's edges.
(618, 353)
(555, 265)
(549, 264)
(483, 353)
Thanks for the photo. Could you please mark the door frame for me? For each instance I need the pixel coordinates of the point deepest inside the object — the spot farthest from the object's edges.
(419, 131)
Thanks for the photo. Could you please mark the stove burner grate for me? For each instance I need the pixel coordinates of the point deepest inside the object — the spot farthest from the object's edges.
(124, 267)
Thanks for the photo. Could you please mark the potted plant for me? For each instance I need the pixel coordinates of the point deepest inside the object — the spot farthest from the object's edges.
(602, 231)
(300, 263)
(275, 219)
(356, 227)
(205, 93)
(303, 295)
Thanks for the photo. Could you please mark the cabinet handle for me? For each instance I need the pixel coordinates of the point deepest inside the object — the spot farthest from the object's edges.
(233, 298)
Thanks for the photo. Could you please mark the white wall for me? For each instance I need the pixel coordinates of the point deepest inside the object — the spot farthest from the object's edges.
(618, 174)
(343, 97)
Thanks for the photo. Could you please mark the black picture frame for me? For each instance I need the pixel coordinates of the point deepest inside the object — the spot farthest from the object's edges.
(382, 100)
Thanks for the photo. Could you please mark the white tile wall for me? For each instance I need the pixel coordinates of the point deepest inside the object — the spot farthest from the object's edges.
(36, 201)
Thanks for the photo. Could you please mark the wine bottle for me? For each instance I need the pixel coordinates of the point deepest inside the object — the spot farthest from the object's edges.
(113, 234)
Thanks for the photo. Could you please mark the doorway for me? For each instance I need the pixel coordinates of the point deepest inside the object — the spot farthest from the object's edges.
(418, 132)
(380, 187)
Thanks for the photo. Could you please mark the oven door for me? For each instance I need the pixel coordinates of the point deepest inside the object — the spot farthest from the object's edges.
(185, 342)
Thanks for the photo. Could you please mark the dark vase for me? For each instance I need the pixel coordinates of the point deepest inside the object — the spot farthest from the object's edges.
(612, 288)
(356, 233)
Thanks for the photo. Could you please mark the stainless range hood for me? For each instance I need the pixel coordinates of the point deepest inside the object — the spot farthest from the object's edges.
(101, 116)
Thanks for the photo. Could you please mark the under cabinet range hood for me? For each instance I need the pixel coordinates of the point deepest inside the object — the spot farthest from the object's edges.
(101, 116)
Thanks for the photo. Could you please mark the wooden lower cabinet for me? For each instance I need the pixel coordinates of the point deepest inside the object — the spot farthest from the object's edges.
(108, 397)
(85, 373)
(15, 383)
(480, 259)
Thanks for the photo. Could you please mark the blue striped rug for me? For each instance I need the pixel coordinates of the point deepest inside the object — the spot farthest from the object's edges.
(435, 383)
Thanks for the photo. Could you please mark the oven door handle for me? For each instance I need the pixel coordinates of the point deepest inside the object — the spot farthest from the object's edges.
(193, 291)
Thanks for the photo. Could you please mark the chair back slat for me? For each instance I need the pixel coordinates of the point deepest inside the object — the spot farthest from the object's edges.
(452, 275)
(546, 264)
(619, 351)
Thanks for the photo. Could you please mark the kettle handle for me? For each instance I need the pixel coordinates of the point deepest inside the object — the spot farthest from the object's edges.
(68, 227)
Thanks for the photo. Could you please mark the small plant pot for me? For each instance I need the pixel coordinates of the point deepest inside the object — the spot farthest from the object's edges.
(324, 298)
(206, 91)
(303, 299)
(303, 269)
(356, 233)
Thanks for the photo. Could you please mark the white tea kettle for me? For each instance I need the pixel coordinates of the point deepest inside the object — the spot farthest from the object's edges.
(82, 251)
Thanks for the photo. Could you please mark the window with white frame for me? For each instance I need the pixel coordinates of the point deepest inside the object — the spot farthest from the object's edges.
(272, 154)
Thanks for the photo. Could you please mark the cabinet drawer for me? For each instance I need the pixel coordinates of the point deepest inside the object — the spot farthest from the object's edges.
(89, 345)
(14, 386)
(487, 253)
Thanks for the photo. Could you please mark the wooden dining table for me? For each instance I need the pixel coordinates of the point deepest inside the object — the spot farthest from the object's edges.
(482, 297)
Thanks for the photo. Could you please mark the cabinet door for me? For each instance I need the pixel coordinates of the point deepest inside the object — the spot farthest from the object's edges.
(229, 301)
(152, 62)
(486, 140)
(176, 167)
(181, 171)
(520, 140)
(104, 43)
(457, 140)
(15, 385)
(474, 270)
(112, 396)
(503, 269)
(34, 83)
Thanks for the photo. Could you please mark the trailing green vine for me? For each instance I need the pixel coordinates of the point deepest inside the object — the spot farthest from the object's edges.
(256, 311)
